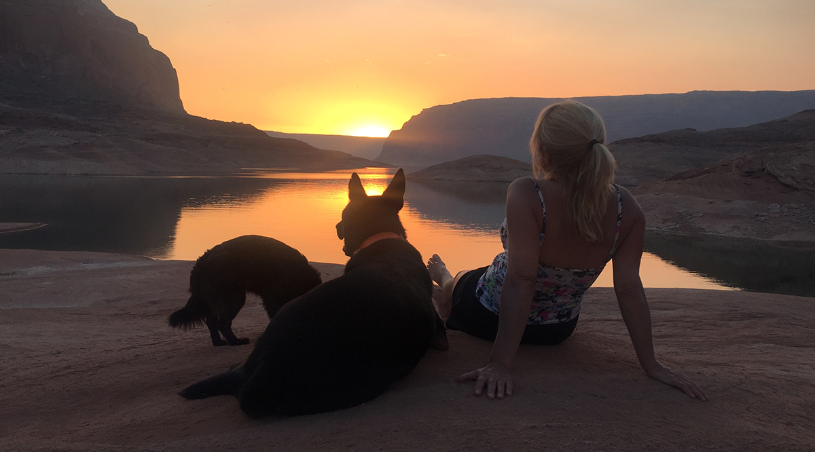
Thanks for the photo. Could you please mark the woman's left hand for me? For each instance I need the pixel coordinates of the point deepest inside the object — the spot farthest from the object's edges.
(668, 376)
(497, 378)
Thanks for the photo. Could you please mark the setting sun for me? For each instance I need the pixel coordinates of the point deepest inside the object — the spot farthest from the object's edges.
(371, 131)
(326, 68)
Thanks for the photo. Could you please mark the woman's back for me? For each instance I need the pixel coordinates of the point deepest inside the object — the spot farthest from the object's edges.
(533, 224)
(563, 246)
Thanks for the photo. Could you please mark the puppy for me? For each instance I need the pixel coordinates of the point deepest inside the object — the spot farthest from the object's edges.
(221, 277)
(344, 342)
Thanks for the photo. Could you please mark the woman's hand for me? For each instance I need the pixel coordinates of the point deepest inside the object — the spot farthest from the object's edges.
(677, 380)
(522, 210)
(496, 377)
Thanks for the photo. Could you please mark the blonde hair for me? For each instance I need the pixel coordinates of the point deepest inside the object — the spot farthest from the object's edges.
(573, 136)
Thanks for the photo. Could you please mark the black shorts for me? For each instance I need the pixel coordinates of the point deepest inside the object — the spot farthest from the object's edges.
(470, 316)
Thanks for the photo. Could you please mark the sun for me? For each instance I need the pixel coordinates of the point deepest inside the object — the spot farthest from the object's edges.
(371, 131)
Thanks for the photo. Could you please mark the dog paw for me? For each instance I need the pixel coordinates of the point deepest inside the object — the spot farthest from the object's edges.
(240, 341)
(219, 343)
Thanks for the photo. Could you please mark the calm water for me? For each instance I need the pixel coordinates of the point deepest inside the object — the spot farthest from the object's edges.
(180, 218)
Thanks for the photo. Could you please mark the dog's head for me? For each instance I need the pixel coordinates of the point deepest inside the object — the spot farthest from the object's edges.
(366, 215)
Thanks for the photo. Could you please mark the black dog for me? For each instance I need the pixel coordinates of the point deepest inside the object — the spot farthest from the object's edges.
(221, 277)
(344, 342)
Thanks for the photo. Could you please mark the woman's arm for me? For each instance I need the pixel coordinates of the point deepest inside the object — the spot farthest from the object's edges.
(522, 213)
(634, 305)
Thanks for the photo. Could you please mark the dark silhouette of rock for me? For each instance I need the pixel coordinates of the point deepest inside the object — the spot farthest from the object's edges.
(100, 139)
(82, 92)
(503, 126)
(79, 50)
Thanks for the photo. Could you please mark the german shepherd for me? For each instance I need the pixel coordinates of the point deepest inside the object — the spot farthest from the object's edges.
(344, 342)
(221, 277)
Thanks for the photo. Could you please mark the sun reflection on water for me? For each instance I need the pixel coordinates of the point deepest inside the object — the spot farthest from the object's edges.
(304, 214)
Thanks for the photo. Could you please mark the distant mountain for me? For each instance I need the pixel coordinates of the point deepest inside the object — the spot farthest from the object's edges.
(365, 147)
(82, 92)
(754, 182)
(481, 168)
(653, 157)
(503, 126)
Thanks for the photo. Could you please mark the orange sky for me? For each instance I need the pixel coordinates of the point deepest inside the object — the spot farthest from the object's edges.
(337, 67)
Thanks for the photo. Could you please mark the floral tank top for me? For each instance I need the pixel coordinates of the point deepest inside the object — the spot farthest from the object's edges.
(558, 291)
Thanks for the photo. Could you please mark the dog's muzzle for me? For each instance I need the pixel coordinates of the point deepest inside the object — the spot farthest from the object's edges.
(341, 235)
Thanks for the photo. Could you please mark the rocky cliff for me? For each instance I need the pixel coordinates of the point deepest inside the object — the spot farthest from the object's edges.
(503, 126)
(654, 157)
(78, 50)
(767, 191)
(82, 92)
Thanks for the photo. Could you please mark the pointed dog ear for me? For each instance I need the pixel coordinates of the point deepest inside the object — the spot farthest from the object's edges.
(356, 191)
(395, 193)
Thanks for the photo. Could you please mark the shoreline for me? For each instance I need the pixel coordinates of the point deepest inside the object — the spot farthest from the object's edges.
(703, 235)
(90, 364)
(672, 260)
(243, 172)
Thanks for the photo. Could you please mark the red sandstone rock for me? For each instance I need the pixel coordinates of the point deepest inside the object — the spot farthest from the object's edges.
(89, 364)
(78, 50)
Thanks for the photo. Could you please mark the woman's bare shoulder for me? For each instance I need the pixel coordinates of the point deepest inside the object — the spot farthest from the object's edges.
(522, 196)
(633, 217)
(522, 187)
(523, 182)
(630, 205)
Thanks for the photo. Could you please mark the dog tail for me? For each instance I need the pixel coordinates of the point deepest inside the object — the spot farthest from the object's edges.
(193, 314)
(224, 384)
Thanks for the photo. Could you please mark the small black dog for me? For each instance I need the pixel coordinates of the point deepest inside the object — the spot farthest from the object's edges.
(221, 277)
(344, 342)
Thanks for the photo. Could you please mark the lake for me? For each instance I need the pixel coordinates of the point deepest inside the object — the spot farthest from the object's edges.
(182, 217)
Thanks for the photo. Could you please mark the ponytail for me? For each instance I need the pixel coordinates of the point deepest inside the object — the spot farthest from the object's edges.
(572, 134)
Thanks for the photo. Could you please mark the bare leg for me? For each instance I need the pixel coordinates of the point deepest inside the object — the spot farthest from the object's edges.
(443, 295)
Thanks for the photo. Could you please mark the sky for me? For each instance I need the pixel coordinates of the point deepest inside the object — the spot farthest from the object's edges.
(365, 67)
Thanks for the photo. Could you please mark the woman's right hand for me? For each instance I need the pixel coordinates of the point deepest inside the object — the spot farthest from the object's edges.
(497, 378)
(670, 377)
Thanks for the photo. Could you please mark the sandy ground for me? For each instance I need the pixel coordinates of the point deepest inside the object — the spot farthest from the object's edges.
(89, 364)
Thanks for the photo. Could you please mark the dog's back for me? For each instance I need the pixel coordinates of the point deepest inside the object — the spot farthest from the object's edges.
(221, 277)
(260, 265)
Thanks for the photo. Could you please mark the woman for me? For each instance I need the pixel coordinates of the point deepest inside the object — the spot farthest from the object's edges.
(560, 231)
